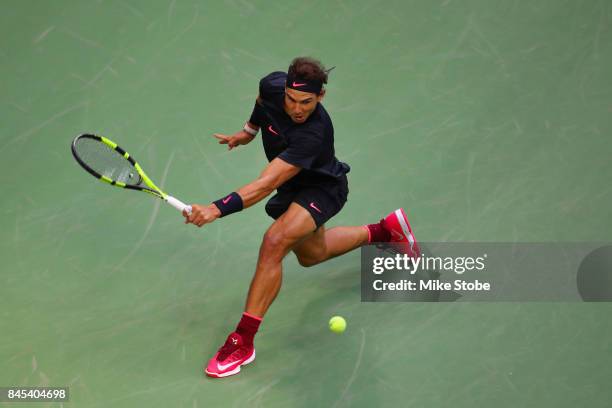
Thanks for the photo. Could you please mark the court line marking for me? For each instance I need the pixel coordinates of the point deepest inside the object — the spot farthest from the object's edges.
(79, 37)
(393, 130)
(256, 398)
(41, 125)
(18, 107)
(208, 161)
(43, 35)
(96, 77)
(183, 31)
(132, 9)
(152, 218)
(355, 369)
(171, 9)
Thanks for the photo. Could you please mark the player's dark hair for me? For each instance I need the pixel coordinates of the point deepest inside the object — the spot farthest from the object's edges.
(308, 68)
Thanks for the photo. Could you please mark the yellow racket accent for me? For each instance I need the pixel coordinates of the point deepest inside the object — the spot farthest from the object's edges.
(108, 142)
(149, 182)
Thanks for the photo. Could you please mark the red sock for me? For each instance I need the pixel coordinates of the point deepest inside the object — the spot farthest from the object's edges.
(376, 233)
(248, 327)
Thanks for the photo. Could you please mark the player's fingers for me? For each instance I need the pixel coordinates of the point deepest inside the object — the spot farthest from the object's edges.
(186, 215)
(192, 217)
(197, 219)
(222, 138)
(203, 221)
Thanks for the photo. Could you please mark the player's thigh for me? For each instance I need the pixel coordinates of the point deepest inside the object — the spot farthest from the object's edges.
(290, 228)
(311, 247)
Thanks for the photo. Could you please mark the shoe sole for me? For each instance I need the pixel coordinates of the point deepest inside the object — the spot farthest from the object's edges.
(231, 372)
(402, 218)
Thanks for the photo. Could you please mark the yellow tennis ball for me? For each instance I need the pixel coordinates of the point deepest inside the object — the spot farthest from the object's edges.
(337, 324)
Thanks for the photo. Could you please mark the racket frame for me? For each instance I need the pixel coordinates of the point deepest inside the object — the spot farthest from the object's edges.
(151, 187)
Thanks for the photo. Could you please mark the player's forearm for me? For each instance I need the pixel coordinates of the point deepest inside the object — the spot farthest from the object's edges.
(274, 175)
(242, 198)
(257, 190)
(243, 137)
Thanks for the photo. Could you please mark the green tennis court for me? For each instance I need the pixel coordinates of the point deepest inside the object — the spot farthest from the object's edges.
(486, 120)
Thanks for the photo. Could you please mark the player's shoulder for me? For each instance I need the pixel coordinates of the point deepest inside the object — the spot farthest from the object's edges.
(272, 84)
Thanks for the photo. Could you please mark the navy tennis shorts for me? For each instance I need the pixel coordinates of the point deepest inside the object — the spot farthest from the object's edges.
(322, 201)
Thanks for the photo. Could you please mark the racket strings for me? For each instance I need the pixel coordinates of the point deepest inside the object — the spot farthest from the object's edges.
(106, 161)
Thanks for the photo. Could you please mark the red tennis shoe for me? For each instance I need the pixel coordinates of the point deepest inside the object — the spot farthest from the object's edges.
(233, 354)
(399, 229)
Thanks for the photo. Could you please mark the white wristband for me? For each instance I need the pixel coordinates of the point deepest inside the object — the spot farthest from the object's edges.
(250, 131)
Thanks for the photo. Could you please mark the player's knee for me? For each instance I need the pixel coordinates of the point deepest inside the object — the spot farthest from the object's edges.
(312, 257)
(307, 262)
(273, 242)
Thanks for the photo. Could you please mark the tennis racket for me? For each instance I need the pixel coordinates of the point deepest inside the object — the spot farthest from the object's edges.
(104, 160)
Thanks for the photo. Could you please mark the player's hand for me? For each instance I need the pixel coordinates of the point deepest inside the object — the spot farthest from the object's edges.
(201, 214)
(237, 139)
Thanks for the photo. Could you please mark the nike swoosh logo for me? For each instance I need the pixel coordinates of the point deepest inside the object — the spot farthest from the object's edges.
(226, 199)
(297, 84)
(272, 130)
(315, 207)
(222, 367)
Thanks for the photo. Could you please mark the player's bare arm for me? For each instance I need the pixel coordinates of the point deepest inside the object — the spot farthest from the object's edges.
(241, 137)
(276, 173)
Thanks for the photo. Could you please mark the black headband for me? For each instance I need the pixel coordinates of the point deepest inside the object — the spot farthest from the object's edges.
(304, 85)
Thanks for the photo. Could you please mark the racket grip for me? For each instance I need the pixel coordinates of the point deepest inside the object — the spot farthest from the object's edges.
(178, 204)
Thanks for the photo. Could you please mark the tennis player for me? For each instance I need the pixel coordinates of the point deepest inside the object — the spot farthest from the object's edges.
(311, 187)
